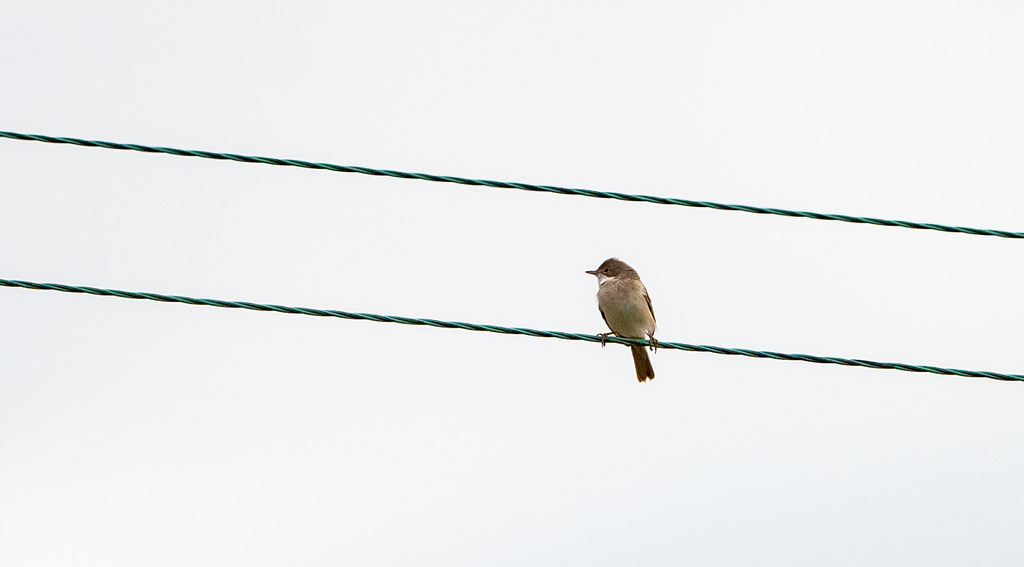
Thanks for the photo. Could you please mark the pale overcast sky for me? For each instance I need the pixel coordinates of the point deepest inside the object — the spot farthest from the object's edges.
(147, 434)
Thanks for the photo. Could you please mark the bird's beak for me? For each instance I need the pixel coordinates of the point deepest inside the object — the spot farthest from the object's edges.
(592, 272)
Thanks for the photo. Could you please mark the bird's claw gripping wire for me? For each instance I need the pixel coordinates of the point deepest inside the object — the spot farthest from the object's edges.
(604, 337)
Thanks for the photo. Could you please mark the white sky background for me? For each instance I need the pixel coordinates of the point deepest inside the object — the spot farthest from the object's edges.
(139, 433)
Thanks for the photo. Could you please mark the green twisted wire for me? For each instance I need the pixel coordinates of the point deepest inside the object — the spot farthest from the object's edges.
(510, 185)
(506, 330)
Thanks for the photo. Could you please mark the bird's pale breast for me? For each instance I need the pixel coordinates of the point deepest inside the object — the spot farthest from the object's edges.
(625, 308)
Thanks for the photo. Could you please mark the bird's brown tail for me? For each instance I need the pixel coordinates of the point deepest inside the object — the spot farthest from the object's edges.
(642, 361)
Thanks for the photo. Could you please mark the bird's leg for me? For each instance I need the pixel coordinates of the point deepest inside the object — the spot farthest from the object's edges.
(604, 337)
(654, 343)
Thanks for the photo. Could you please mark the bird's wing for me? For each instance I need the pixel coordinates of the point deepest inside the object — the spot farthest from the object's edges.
(649, 306)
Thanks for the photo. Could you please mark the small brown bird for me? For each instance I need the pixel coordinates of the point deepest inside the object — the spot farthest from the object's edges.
(626, 309)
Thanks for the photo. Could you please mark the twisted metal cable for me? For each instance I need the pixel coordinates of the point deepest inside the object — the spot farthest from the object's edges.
(506, 330)
(510, 185)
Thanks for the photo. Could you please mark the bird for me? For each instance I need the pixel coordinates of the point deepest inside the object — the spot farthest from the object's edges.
(626, 308)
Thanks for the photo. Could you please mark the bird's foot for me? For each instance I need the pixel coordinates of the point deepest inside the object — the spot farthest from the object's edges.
(654, 344)
(604, 337)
